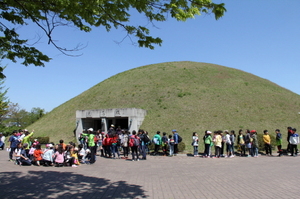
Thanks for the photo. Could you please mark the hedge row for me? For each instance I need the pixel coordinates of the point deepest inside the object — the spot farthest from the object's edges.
(41, 140)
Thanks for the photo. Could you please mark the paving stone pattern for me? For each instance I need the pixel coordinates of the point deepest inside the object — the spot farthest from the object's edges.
(157, 177)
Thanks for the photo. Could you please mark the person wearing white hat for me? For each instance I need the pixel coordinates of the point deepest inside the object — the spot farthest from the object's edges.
(48, 155)
(91, 144)
(208, 143)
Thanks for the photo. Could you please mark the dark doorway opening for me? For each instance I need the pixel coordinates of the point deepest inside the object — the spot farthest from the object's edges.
(97, 125)
(122, 123)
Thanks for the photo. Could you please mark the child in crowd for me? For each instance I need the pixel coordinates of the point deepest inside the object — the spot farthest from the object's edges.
(114, 145)
(88, 156)
(82, 140)
(241, 143)
(218, 144)
(48, 155)
(69, 160)
(171, 143)
(59, 156)
(81, 154)
(36, 142)
(74, 155)
(31, 152)
(228, 144)
(148, 143)
(222, 143)
(254, 143)
(267, 141)
(18, 153)
(21, 155)
(208, 142)
(294, 141)
(279, 142)
(248, 142)
(232, 139)
(106, 145)
(164, 143)
(38, 155)
(61, 142)
(134, 144)
(100, 139)
(124, 143)
(195, 141)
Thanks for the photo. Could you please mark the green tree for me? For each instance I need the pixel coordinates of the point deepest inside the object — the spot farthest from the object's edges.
(18, 117)
(87, 14)
(4, 101)
(35, 114)
(15, 115)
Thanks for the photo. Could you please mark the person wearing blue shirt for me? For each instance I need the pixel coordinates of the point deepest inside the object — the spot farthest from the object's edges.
(175, 135)
(14, 141)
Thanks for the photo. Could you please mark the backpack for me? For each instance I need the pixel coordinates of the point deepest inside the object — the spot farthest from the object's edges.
(146, 139)
(96, 139)
(171, 142)
(134, 141)
(156, 141)
(179, 139)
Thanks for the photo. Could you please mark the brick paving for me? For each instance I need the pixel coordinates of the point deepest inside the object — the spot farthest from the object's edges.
(157, 177)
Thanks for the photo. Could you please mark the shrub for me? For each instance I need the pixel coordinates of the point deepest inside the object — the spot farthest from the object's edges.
(181, 146)
(151, 147)
(261, 144)
(41, 140)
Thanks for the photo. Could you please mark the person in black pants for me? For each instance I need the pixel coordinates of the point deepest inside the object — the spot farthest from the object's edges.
(267, 141)
(175, 135)
(14, 141)
(289, 133)
(294, 141)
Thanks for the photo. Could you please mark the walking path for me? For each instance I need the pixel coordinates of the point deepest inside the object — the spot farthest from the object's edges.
(157, 177)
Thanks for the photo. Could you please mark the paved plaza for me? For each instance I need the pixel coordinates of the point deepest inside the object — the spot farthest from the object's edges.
(157, 177)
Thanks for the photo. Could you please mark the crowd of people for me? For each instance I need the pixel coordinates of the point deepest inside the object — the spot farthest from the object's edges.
(246, 142)
(111, 143)
(119, 143)
(24, 152)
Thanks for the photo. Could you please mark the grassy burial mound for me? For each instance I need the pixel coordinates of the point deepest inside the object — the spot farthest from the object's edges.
(187, 96)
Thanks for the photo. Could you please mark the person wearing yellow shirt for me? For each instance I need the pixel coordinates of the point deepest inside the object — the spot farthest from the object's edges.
(218, 143)
(267, 141)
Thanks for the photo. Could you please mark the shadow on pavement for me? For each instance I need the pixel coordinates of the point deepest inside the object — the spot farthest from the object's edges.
(52, 184)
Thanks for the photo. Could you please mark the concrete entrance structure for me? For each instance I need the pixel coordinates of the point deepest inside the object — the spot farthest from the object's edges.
(126, 118)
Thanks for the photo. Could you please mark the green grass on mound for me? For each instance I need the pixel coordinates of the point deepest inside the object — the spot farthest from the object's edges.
(187, 96)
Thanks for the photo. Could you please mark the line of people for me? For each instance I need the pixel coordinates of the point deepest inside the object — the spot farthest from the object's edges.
(110, 144)
(245, 142)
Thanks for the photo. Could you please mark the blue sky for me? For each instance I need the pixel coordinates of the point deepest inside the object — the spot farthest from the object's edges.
(259, 37)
